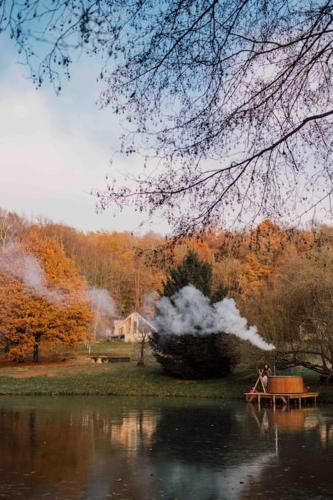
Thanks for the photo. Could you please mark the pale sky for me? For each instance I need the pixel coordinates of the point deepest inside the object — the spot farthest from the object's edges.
(55, 149)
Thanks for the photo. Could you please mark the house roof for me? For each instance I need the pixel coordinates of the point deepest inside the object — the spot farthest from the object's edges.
(144, 324)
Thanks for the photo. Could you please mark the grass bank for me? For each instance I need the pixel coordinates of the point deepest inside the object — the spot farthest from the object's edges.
(79, 376)
(140, 382)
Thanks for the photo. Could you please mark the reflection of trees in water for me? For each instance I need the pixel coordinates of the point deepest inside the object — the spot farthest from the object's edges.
(49, 453)
(194, 434)
(134, 432)
(69, 450)
(209, 434)
(181, 452)
(179, 479)
(219, 453)
(196, 452)
(304, 449)
(123, 443)
(326, 434)
(92, 449)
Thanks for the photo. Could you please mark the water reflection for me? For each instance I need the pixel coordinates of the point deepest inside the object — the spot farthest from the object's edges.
(287, 420)
(38, 451)
(112, 448)
(134, 432)
(303, 440)
(294, 421)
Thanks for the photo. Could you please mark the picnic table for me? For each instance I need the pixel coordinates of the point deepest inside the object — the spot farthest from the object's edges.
(109, 358)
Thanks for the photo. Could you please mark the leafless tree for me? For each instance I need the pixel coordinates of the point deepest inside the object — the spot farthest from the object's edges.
(231, 100)
(297, 310)
(12, 226)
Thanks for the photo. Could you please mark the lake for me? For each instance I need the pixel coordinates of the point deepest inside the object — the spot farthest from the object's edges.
(95, 448)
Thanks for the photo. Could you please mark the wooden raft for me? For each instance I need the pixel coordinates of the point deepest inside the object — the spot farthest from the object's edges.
(280, 388)
(104, 358)
(285, 398)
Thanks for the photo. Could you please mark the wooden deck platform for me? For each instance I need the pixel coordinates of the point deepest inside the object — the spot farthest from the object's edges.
(284, 398)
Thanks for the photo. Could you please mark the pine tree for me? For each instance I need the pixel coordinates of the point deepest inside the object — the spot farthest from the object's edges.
(191, 271)
(190, 355)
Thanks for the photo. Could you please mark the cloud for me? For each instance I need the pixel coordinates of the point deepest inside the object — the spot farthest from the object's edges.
(55, 149)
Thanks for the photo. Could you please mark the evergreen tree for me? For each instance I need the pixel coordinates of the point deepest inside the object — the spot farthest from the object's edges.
(192, 271)
(190, 355)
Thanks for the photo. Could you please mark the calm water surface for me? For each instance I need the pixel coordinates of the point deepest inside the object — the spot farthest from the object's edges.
(96, 448)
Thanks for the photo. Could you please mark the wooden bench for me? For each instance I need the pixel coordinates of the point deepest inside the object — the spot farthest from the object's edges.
(104, 358)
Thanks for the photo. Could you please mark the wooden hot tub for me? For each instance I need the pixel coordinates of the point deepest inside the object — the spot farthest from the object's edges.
(282, 384)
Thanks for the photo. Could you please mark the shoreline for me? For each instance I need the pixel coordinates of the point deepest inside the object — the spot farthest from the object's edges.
(135, 382)
(74, 374)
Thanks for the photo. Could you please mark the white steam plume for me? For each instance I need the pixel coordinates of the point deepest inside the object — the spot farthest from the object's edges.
(190, 312)
(24, 265)
(103, 305)
(15, 260)
(102, 302)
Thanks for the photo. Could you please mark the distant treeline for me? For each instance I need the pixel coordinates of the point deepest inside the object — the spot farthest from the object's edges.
(281, 278)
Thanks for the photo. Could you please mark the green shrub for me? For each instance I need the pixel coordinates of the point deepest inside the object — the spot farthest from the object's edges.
(193, 356)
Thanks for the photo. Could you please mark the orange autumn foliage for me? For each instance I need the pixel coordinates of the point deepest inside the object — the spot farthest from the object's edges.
(253, 274)
(119, 262)
(56, 312)
(131, 267)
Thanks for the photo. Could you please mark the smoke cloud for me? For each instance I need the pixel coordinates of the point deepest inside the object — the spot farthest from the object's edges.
(15, 260)
(24, 265)
(102, 302)
(190, 312)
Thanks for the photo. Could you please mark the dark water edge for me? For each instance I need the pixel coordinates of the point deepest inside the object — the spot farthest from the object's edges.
(138, 448)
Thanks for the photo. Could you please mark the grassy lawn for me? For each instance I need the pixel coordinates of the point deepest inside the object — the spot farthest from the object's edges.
(78, 375)
(116, 381)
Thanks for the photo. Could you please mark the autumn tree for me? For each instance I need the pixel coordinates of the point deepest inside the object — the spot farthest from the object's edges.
(303, 298)
(275, 274)
(120, 262)
(43, 298)
(12, 226)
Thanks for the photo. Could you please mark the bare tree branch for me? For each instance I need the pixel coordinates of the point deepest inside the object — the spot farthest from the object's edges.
(230, 100)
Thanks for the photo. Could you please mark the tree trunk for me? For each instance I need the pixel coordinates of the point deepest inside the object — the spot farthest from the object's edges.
(7, 347)
(35, 355)
(141, 361)
(290, 360)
